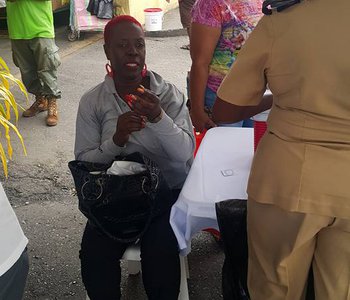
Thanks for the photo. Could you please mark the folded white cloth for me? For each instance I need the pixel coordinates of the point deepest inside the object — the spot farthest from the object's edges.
(126, 168)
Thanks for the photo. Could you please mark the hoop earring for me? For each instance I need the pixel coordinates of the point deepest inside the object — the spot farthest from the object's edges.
(109, 70)
(144, 71)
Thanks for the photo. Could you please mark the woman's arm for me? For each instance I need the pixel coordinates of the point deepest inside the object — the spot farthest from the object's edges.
(204, 39)
(224, 112)
(174, 130)
(88, 144)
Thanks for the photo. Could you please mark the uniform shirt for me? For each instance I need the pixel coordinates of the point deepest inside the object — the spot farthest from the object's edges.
(169, 142)
(236, 19)
(28, 19)
(12, 239)
(303, 162)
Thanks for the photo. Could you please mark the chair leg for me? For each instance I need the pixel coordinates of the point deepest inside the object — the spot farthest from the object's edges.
(133, 258)
(186, 266)
(134, 267)
(184, 275)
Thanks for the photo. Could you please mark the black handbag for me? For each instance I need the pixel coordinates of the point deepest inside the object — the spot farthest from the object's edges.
(231, 216)
(121, 207)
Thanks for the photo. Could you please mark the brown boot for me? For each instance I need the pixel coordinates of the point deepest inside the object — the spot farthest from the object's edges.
(38, 106)
(52, 115)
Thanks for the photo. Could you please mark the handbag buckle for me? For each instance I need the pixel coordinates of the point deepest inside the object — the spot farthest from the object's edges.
(99, 183)
(154, 183)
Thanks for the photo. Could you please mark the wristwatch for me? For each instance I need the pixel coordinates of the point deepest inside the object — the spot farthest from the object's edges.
(157, 118)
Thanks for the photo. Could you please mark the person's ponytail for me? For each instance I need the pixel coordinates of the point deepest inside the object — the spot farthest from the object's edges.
(278, 5)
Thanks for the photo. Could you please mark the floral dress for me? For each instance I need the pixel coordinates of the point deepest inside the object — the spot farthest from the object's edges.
(236, 18)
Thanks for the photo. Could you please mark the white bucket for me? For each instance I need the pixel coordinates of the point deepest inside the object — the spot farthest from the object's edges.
(153, 19)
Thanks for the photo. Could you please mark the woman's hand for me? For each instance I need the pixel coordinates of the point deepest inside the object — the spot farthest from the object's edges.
(201, 120)
(127, 123)
(203, 43)
(146, 103)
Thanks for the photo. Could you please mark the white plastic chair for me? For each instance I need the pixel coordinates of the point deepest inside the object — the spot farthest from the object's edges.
(133, 257)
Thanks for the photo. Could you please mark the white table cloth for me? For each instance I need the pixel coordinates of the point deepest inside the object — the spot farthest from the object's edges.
(219, 172)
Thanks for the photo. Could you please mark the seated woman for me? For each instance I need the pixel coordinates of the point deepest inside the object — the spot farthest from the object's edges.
(218, 31)
(134, 110)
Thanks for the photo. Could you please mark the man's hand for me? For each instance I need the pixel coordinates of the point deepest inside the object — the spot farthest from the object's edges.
(127, 123)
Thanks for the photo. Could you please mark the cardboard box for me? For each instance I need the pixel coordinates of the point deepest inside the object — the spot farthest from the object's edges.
(56, 4)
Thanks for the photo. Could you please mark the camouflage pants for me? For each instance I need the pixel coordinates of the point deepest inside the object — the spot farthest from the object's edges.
(38, 61)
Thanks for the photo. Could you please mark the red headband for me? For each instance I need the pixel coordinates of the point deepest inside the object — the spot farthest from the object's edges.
(116, 20)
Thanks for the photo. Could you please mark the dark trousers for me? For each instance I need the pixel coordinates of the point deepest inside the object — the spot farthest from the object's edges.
(13, 282)
(100, 262)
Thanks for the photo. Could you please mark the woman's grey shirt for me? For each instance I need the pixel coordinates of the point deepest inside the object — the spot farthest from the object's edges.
(170, 142)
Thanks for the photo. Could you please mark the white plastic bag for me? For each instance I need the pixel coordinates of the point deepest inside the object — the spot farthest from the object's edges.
(126, 168)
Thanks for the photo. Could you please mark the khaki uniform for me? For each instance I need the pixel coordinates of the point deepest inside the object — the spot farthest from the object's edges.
(299, 188)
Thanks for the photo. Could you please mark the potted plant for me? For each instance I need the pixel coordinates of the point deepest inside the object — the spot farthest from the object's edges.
(8, 104)
(13, 257)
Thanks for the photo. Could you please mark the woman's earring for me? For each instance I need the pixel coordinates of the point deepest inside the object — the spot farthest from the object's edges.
(144, 71)
(109, 70)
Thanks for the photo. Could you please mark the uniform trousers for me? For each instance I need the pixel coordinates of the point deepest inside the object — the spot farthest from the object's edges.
(100, 262)
(283, 245)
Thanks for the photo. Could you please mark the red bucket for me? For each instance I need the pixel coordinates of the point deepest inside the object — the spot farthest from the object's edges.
(259, 130)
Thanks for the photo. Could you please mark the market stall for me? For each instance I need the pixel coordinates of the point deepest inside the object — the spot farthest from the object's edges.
(85, 17)
(59, 5)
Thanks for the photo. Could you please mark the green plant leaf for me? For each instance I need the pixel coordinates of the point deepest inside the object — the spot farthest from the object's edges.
(6, 77)
(7, 104)
(2, 110)
(3, 65)
(14, 128)
(3, 160)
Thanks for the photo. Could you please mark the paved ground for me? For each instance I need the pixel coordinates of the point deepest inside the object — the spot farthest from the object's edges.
(41, 190)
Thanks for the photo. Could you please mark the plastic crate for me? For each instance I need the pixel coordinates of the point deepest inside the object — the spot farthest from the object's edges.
(199, 137)
(259, 131)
